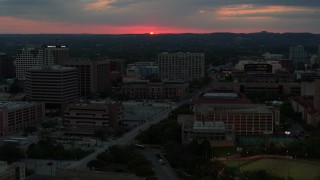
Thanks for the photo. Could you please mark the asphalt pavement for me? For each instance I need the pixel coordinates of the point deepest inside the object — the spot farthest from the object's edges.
(131, 135)
(163, 171)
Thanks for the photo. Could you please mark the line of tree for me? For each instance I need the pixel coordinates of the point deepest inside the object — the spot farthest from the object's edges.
(50, 149)
(127, 157)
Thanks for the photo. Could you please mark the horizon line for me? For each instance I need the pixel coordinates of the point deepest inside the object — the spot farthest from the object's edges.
(266, 32)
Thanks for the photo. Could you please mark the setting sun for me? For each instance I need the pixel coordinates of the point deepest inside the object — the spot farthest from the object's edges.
(151, 33)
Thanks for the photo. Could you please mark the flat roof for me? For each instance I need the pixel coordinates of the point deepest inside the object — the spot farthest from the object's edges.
(221, 95)
(231, 108)
(52, 68)
(15, 105)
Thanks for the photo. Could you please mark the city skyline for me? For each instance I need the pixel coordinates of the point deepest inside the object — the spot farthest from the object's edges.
(143, 16)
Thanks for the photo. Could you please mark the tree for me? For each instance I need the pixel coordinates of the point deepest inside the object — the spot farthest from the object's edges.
(95, 164)
(15, 88)
(10, 152)
(105, 157)
(49, 124)
(145, 171)
(100, 134)
(29, 172)
(259, 174)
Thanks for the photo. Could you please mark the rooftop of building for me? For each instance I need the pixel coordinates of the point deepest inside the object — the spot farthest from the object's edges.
(259, 61)
(157, 81)
(16, 105)
(231, 108)
(222, 97)
(52, 68)
(181, 53)
(55, 46)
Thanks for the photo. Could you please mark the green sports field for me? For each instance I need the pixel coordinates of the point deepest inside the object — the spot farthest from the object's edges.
(283, 168)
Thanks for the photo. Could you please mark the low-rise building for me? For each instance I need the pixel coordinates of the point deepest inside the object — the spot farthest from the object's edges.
(309, 106)
(142, 69)
(279, 76)
(281, 88)
(258, 66)
(16, 116)
(219, 116)
(93, 115)
(14, 171)
(145, 89)
(310, 115)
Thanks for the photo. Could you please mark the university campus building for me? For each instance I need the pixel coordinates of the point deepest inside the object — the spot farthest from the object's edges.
(16, 116)
(220, 116)
(93, 116)
(146, 89)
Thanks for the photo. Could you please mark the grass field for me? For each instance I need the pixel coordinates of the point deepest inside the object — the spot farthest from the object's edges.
(223, 151)
(239, 163)
(283, 168)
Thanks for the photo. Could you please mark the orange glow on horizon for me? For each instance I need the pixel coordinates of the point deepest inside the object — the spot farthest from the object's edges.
(11, 25)
(151, 33)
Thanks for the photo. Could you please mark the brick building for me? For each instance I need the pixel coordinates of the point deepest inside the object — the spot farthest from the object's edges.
(145, 89)
(16, 116)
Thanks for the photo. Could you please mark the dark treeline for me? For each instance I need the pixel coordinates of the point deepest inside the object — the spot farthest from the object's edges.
(218, 47)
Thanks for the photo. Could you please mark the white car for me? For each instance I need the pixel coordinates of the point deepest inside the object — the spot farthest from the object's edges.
(161, 162)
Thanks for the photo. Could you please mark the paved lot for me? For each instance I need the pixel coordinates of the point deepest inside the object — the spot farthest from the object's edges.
(143, 111)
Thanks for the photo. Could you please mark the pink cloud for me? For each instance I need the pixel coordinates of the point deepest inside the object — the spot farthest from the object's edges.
(99, 4)
(249, 9)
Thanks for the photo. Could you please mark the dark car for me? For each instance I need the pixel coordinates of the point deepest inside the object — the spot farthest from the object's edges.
(157, 155)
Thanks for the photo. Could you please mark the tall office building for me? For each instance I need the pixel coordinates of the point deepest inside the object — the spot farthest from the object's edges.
(298, 54)
(317, 94)
(29, 57)
(181, 66)
(52, 85)
(93, 76)
(60, 53)
(6, 66)
(38, 56)
(117, 65)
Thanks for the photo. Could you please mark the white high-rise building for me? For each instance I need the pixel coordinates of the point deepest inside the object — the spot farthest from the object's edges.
(181, 66)
(298, 54)
(269, 56)
(39, 56)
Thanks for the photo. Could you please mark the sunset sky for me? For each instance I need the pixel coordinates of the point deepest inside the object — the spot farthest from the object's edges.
(158, 16)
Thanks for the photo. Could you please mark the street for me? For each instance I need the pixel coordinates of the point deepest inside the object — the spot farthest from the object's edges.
(128, 138)
(163, 172)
